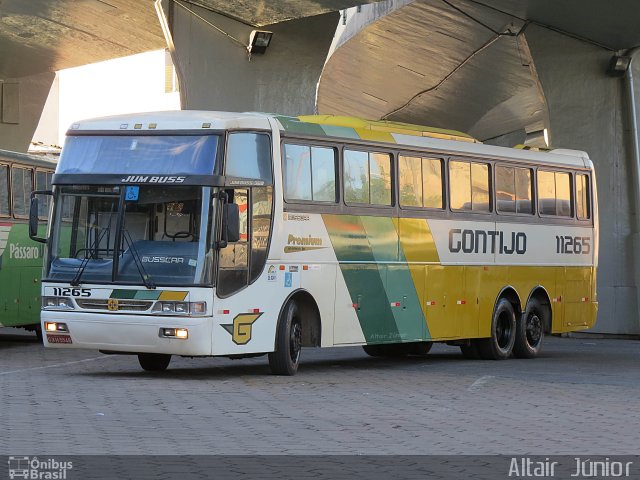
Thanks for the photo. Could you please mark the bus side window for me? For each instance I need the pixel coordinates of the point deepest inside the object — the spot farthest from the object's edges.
(233, 259)
(261, 211)
(513, 190)
(4, 191)
(432, 183)
(546, 193)
(469, 184)
(554, 193)
(420, 182)
(563, 194)
(249, 156)
(43, 182)
(21, 186)
(582, 197)
(410, 177)
(367, 177)
(309, 173)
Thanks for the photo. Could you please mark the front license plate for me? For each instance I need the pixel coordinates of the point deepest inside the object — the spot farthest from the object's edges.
(59, 338)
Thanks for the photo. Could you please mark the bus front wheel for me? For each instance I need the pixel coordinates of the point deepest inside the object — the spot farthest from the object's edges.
(154, 362)
(503, 333)
(285, 359)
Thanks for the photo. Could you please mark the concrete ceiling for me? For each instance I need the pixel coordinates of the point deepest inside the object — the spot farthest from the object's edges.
(266, 12)
(49, 35)
(613, 24)
(460, 63)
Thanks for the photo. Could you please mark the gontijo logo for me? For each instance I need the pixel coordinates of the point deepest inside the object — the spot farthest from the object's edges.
(36, 469)
(241, 328)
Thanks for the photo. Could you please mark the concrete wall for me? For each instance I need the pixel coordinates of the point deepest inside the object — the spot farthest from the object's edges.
(587, 111)
(216, 74)
(21, 103)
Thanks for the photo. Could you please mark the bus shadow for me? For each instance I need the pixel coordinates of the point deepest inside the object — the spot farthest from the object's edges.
(255, 368)
(11, 340)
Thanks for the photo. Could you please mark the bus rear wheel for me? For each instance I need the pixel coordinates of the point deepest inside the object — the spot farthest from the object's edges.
(503, 333)
(154, 362)
(530, 331)
(286, 358)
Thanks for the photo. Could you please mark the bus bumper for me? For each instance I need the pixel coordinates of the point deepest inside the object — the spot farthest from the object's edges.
(127, 333)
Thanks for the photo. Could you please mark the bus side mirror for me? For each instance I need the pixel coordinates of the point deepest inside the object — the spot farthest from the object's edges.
(34, 215)
(231, 219)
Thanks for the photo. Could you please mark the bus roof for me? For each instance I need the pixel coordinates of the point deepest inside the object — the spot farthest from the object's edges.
(445, 141)
(172, 121)
(8, 156)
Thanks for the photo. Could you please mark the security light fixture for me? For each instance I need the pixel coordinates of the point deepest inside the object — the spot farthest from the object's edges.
(619, 65)
(259, 40)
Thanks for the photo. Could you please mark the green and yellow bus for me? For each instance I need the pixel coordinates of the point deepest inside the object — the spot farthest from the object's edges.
(20, 257)
(228, 234)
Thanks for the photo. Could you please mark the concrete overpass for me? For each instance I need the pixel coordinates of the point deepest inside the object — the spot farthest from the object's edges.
(502, 70)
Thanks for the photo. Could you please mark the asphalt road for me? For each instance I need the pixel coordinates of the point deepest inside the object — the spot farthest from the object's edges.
(582, 396)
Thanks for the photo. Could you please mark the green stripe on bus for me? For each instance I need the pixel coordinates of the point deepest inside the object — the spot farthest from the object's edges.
(344, 132)
(294, 125)
(123, 294)
(147, 294)
(396, 277)
(364, 279)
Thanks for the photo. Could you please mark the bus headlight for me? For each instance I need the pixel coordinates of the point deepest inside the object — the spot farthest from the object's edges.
(180, 333)
(57, 303)
(180, 308)
(55, 327)
(168, 307)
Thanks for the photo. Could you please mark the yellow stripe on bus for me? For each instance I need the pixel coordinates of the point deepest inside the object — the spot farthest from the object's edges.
(169, 295)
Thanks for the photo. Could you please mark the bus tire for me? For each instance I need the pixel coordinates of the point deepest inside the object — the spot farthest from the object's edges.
(154, 362)
(374, 350)
(470, 351)
(389, 350)
(503, 333)
(530, 331)
(419, 349)
(285, 359)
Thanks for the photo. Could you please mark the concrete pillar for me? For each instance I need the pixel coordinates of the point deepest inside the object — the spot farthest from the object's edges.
(587, 112)
(216, 73)
(21, 103)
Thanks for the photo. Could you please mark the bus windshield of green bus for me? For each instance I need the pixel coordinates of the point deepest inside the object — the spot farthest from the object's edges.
(134, 235)
(139, 154)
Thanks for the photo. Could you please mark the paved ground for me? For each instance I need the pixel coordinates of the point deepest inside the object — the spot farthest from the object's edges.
(581, 397)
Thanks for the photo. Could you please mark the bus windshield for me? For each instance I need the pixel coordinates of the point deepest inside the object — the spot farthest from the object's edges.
(138, 235)
(139, 154)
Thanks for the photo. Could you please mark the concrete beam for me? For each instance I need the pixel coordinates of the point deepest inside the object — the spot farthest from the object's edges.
(217, 74)
(21, 103)
(586, 112)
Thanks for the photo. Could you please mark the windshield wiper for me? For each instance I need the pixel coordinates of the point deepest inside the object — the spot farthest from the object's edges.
(146, 278)
(92, 249)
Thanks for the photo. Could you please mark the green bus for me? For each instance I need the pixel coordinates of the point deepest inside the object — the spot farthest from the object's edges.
(20, 257)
